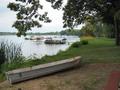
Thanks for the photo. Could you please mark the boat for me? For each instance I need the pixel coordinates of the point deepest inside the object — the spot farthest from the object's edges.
(27, 38)
(55, 41)
(20, 75)
(35, 38)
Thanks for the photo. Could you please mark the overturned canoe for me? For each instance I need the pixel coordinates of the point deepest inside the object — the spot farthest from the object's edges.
(19, 75)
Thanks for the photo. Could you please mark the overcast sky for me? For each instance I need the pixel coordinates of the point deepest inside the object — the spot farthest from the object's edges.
(7, 18)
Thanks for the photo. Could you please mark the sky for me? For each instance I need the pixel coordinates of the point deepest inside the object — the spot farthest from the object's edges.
(8, 17)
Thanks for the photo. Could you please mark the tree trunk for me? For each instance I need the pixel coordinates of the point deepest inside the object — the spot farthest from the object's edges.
(117, 29)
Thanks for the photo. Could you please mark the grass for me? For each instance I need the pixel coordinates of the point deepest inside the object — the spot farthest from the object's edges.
(100, 50)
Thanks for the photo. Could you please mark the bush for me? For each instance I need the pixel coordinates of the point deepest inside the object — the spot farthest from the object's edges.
(84, 42)
(76, 44)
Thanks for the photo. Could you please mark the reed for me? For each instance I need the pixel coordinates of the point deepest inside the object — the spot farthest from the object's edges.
(3, 58)
(10, 53)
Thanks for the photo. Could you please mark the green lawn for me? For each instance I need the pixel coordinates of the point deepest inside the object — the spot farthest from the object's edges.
(100, 50)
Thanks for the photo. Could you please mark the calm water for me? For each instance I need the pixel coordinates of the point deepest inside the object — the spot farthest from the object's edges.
(32, 48)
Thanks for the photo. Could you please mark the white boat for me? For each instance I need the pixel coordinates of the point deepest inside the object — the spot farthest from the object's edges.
(41, 70)
(35, 38)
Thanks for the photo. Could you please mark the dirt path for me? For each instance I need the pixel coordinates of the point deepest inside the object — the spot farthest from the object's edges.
(87, 77)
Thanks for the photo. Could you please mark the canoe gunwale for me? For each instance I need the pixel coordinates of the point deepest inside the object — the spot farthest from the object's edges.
(40, 70)
(43, 65)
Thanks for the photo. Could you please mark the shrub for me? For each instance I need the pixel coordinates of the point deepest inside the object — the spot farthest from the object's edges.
(84, 42)
(76, 44)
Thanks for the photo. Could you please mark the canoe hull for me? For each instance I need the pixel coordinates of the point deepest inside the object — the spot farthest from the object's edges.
(41, 70)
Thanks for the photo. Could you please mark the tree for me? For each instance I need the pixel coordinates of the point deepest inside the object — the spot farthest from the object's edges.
(89, 28)
(28, 15)
(71, 32)
(76, 11)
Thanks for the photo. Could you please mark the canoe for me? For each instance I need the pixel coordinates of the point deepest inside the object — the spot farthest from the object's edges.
(23, 74)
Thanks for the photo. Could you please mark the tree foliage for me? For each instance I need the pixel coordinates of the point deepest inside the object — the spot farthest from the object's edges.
(71, 32)
(28, 16)
(76, 11)
(95, 27)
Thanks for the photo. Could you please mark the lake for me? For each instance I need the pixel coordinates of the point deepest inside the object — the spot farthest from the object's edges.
(39, 49)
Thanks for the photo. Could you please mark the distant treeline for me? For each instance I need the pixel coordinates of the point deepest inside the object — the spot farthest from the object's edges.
(7, 33)
(31, 33)
(76, 32)
(63, 32)
(47, 33)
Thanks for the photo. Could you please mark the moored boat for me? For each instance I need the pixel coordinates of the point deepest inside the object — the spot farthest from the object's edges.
(55, 41)
(35, 38)
(26, 38)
